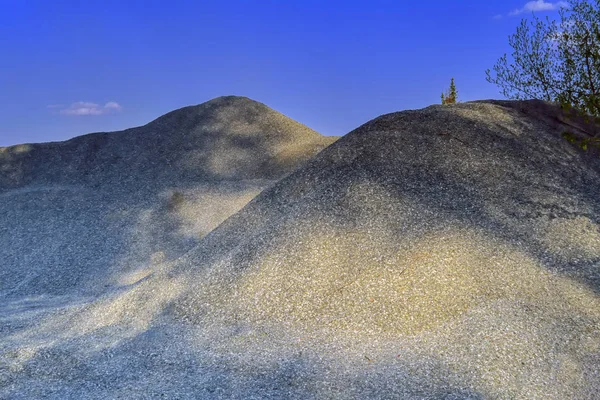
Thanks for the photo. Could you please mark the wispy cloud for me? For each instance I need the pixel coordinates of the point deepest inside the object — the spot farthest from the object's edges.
(88, 108)
(539, 5)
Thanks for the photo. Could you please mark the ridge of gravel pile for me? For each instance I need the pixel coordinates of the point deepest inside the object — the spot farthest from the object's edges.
(451, 252)
(227, 138)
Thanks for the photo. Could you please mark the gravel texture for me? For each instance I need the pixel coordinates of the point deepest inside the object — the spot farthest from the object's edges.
(451, 252)
(76, 216)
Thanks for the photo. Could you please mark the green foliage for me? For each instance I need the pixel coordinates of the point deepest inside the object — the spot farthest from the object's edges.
(584, 143)
(553, 61)
(451, 95)
(453, 92)
(559, 62)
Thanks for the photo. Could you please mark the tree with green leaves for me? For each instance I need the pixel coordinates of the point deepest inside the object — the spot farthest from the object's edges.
(451, 96)
(555, 61)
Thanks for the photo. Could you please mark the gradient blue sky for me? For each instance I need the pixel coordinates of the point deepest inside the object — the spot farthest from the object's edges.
(331, 65)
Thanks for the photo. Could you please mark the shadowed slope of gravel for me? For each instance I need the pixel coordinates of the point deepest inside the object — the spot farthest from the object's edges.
(76, 216)
(445, 253)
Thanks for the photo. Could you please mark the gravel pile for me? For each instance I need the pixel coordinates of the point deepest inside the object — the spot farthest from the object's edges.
(81, 216)
(229, 137)
(451, 252)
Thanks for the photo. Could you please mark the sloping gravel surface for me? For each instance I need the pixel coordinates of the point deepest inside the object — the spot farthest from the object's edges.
(451, 252)
(100, 210)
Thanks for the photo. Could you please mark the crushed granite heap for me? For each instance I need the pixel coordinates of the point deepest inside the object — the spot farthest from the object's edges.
(79, 216)
(451, 252)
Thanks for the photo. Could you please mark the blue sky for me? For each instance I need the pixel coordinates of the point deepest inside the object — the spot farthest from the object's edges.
(73, 67)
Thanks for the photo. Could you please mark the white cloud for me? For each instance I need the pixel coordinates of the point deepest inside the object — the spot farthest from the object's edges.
(111, 105)
(88, 108)
(497, 16)
(539, 5)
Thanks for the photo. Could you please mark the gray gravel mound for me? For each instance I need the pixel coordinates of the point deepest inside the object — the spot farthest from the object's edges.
(468, 235)
(451, 252)
(229, 137)
(86, 214)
